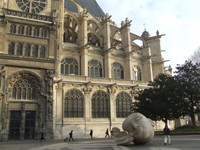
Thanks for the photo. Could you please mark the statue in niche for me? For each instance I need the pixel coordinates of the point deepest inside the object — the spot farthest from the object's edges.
(137, 129)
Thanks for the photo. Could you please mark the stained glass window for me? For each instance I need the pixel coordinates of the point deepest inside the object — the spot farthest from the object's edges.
(94, 69)
(74, 104)
(35, 51)
(100, 105)
(69, 66)
(117, 71)
(123, 105)
(13, 28)
(19, 49)
(11, 47)
(42, 52)
(29, 31)
(24, 89)
(27, 50)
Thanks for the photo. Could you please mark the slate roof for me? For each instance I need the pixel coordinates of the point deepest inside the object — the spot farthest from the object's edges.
(90, 5)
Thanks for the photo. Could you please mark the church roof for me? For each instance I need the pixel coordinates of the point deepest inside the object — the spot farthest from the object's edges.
(90, 5)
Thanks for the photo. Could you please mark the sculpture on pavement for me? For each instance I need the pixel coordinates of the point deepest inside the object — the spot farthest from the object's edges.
(137, 128)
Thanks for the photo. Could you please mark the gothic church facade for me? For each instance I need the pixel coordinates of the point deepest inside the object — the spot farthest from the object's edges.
(65, 65)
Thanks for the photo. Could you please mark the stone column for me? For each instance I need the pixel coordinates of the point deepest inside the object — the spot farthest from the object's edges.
(112, 91)
(126, 45)
(83, 27)
(108, 67)
(106, 31)
(147, 64)
(84, 61)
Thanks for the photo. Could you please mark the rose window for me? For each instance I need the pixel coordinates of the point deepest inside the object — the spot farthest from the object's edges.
(32, 6)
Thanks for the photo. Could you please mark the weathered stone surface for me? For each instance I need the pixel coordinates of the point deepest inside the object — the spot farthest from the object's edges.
(141, 128)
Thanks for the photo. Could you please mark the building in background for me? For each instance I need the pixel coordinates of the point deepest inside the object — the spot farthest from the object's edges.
(65, 65)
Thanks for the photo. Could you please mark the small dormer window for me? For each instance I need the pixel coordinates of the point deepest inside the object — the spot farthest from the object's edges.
(32, 6)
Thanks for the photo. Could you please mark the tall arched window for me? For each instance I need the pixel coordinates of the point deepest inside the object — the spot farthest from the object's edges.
(74, 104)
(42, 52)
(24, 89)
(123, 105)
(35, 51)
(69, 66)
(11, 48)
(100, 105)
(13, 28)
(44, 33)
(117, 71)
(136, 73)
(36, 32)
(19, 49)
(29, 31)
(94, 69)
(27, 50)
(21, 30)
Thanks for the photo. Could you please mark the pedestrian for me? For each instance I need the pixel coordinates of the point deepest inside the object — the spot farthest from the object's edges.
(42, 137)
(107, 134)
(71, 135)
(91, 133)
(166, 135)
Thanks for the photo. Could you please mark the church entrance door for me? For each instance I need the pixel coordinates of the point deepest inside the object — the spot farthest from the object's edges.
(29, 125)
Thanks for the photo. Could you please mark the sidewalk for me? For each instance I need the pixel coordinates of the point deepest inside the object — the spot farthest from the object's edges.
(179, 142)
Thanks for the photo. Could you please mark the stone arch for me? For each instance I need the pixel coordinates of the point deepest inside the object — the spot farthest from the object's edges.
(73, 104)
(100, 104)
(24, 75)
(123, 104)
(94, 39)
(71, 27)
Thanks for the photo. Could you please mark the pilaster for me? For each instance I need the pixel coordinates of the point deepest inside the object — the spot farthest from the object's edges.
(84, 61)
(87, 102)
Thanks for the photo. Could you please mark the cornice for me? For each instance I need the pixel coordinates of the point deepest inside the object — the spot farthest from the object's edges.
(38, 59)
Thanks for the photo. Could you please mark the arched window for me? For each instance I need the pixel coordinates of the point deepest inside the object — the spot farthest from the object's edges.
(94, 69)
(21, 30)
(117, 71)
(69, 66)
(74, 104)
(29, 31)
(100, 105)
(42, 52)
(136, 73)
(11, 48)
(27, 50)
(24, 90)
(44, 33)
(123, 105)
(36, 32)
(35, 51)
(13, 28)
(19, 49)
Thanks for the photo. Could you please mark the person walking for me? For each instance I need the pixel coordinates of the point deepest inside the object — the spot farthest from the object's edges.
(71, 135)
(42, 137)
(91, 133)
(107, 134)
(167, 135)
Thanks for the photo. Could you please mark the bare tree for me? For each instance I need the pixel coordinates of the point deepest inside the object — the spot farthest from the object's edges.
(195, 57)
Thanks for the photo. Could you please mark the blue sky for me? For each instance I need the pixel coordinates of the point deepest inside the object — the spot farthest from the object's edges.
(178, 19)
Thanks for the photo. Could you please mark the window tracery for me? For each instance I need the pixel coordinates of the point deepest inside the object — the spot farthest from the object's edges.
(123, 105)
(24, 89)
(117, 71)
(32, 6)
(100, 105)
(69, 66)
(73, 104)
(94, 69)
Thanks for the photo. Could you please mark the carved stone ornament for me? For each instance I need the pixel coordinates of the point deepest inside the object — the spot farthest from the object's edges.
(112, 90)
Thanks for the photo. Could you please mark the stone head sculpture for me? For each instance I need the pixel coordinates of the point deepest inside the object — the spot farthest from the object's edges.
(140, 127)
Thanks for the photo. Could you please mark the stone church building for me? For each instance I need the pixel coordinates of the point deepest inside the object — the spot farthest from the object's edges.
(65, 65)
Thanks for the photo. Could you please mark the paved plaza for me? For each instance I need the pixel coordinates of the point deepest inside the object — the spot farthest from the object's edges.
(179, 142)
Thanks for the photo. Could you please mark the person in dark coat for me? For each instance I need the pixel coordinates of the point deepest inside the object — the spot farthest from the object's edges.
(42, 137)
(91, 133)
(166, 135)
(71, 135)
(107, 134)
